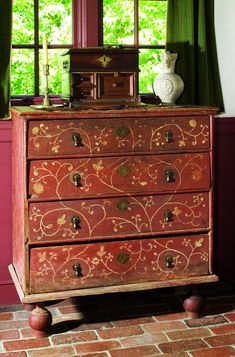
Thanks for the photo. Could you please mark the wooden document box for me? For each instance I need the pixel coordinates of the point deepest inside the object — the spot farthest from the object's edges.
(100, 75)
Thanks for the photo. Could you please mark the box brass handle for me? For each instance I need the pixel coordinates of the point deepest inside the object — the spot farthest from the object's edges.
(169, 136)
(77, 140)
(78, 269)
(169, 261)
(168, 215)
(75, 222)
(76, 179)
(169, 174)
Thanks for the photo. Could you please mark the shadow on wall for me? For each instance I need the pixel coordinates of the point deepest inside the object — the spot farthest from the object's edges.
(224, 197)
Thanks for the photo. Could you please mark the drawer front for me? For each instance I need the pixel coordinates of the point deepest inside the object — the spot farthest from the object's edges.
(76, 178)
(114, 86)
(116, 135)
(83, 85)
(102, 264)
(117, 217)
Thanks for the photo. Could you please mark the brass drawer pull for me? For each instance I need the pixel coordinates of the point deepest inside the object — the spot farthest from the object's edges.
(169, 261)
(123, 205)
(169, 136)
(78, 269)
(77, 140)
(75, 222)
(77, 179)
(122, 131)
(169, 175)
(168, 215)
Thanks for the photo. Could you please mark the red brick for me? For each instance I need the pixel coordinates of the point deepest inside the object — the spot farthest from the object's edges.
(214, 352)
(184, 334)
(63, 351)
(220, 330)
(99, 354)
(163, 326)
(230, 317)
(6, 316)
(140, 351)
(9, 335)
(222, 340)
(143, 340)
(8, 325)
(170, 317)
(26, 344)
(13, 354)
(74, 337)
(89, 326)
(205, 321)
(120, 332)
(97, 346)
(185, 345)
(134, 321)
(175, 354)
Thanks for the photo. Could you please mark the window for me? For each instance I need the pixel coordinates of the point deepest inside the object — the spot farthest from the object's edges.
(30, 19)
(81, 23)
(140, 24)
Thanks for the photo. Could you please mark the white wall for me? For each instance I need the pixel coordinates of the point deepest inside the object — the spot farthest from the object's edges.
(225, 34)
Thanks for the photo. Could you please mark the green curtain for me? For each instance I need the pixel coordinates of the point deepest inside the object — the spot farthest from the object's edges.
(5, 55)
(191, 34)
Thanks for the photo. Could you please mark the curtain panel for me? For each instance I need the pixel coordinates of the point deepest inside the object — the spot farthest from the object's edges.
(5, 55)
(191, 34)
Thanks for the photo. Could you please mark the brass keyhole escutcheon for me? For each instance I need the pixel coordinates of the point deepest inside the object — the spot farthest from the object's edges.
(75, 222)
(124, 170)
(168, 215)
(77, 140)
(169, 136)
(123, 131)
(77, 179)
(123, 258)
(77, 269)
(123, 205)
(169, 175)
(169, 261)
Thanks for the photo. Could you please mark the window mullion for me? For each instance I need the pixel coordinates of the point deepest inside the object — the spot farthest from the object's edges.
(136, 23)
(36, 49)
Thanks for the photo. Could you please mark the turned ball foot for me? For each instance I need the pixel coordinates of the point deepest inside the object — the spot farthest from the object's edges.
(194, 306)
(40, 321)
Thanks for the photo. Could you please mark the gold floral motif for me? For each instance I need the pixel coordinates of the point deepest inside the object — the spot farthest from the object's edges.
(35, 130)
(192, 123)
(38, 188)
(197, 174)
(61, 220)
(98, 166)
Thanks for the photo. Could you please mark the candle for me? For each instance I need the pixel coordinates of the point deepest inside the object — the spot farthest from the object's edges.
(45, 49)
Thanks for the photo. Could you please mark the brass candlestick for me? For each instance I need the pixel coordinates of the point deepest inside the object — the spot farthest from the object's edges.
(46, 100)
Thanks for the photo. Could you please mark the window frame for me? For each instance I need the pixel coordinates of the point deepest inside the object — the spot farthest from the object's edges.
(87, 31)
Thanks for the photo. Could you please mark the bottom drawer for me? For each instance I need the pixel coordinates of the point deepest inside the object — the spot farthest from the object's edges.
(61, 268)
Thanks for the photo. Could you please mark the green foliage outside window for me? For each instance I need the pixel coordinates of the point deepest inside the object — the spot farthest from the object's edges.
(55, 20)
(119, 30)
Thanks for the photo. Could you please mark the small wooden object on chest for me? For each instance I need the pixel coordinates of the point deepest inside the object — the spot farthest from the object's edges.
(100, 74)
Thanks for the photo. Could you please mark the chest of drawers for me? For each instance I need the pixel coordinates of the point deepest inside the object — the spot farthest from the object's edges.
(110, 201)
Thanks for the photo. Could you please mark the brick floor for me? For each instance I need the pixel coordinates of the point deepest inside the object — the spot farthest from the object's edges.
(149, 323)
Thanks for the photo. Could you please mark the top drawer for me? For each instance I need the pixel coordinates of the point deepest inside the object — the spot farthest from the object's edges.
(91, 137)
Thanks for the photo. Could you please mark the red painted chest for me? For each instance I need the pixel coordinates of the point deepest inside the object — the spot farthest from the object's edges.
(115, 200)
